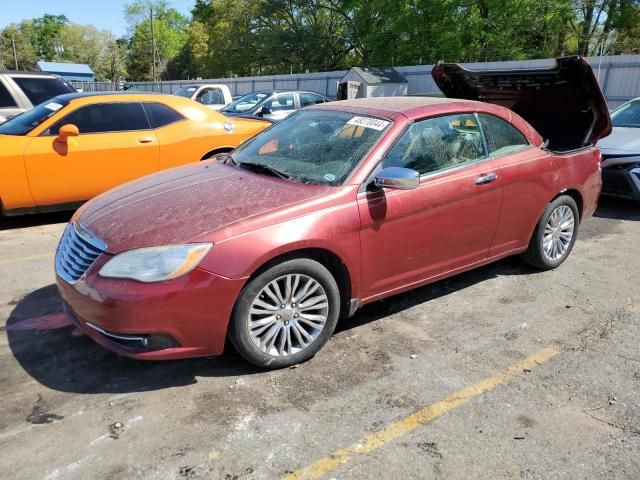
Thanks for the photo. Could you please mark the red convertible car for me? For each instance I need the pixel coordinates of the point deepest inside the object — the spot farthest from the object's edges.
(337, 206)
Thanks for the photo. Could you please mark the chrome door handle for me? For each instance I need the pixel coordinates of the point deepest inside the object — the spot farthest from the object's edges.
(484, 179)
(145, 140)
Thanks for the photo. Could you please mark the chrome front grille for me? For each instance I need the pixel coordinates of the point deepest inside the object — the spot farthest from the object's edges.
(77, 251)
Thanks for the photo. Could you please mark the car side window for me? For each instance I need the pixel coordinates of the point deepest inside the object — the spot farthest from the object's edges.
(437, 144)
(307, 99)
(211, 96)
(161, 115)
(41, 89)
(105, 117)
(501, 137)
(6, 99)
(282, 102)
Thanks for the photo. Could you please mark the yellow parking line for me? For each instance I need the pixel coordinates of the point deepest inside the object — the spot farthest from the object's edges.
(25, 259)
(401, 427)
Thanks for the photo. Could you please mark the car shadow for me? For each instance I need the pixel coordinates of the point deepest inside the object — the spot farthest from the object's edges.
(618, 208)
(59, 356)
(37, 220)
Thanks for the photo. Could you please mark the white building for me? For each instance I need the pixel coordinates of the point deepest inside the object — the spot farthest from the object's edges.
(362, 82)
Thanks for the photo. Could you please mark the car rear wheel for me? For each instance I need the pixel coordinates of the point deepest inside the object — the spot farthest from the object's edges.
(555, 234)
(286, 314)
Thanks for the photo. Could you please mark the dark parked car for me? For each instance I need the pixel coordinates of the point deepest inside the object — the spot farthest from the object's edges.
(21, 91)
(337, 206)
(272, 104)
(621, 153)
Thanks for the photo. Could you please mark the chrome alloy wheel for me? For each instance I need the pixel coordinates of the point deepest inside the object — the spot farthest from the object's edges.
(558, 233)
(288, 314)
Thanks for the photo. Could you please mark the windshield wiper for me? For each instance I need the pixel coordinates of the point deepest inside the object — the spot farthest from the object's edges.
(261, 167)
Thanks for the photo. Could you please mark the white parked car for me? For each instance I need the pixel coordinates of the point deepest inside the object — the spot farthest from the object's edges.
(212, 96)
(21, 91)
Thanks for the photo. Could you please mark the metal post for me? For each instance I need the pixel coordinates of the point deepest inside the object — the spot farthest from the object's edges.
(15, 55)
(153, 45)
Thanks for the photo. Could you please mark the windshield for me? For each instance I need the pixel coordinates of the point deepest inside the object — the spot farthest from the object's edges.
(313, 146)
(246, 103)
(627, 116)
(185, 91)
(27, 121)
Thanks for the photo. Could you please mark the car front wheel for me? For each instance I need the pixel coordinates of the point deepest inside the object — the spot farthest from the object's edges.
(555, 234)
(285, 314)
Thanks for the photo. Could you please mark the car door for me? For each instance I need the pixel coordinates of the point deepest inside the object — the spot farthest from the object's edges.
(115, 145)
(445, 224)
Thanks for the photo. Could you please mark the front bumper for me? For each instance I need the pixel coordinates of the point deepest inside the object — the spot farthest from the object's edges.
(622, 181)
(181, 318)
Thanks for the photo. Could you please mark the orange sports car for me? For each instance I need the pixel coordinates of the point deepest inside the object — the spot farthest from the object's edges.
(75, 146)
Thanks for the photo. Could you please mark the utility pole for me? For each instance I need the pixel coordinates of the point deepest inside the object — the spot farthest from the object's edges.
(153, 45)
(15, 55)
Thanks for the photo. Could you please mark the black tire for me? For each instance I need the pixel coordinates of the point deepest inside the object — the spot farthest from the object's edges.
(239, 325)
(535, 254)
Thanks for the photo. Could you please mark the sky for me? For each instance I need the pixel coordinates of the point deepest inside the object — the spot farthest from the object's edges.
(104, 14)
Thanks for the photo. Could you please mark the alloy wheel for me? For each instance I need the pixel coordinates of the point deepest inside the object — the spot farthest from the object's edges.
(558, 233)
(288, 314)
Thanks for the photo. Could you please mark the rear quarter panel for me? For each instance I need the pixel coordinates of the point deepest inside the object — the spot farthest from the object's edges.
(192, 139)
(533, 180)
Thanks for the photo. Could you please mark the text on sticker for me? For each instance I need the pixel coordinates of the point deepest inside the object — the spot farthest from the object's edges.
(368, 122)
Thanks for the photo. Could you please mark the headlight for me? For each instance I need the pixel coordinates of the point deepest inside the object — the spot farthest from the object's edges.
(156, 264)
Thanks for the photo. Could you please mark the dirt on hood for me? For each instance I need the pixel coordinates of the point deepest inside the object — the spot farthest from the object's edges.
(181, 204)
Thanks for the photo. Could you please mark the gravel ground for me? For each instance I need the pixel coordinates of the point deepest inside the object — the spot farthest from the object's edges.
(73, 410)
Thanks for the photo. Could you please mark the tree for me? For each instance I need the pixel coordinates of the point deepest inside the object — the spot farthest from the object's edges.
(170, 28)
(44, 33)
(25, 53)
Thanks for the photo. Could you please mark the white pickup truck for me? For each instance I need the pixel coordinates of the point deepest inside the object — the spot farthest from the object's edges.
(213, 96)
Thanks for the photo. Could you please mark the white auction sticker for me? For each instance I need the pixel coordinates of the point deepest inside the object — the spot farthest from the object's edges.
(368, 122)
(53, 106)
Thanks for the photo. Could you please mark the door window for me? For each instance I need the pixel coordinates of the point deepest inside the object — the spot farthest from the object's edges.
(282, 102)
(6, 100)
(211, 96)
(437, 144)
(502, 138)
(307, 99)
(105, 117)
(41, 89)
(161, 115)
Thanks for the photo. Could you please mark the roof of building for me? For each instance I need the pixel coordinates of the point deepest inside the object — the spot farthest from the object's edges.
(379, 75)
(72, 68)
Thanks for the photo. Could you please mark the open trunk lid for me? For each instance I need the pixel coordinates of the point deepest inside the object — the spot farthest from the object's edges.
(564, 103)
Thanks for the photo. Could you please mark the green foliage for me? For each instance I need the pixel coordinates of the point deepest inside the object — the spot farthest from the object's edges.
(169, 27)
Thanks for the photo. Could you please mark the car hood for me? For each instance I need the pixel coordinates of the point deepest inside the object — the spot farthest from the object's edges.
(564, 103)
(184, 203)
(622, 141)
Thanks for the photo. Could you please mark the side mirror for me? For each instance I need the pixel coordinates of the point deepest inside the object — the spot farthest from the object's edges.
(66, 131)
(397, 177)
(264, 111)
